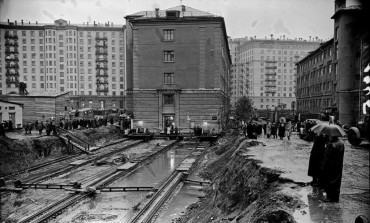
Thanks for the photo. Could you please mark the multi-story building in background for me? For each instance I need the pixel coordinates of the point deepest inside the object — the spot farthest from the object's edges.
(315, 80)
(268, 66)
(177, 68)
(332, 76)
(238, 72)
(86, 60)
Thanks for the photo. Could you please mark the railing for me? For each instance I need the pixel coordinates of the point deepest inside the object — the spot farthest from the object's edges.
(102, 90)
(101, 75)
(102, 68)
(8, 43)
(101, 59)
(8, 74)
(11, 59)
(101, 37)
(10, 36)
(74, 138)
(101, 82)
(101, 52)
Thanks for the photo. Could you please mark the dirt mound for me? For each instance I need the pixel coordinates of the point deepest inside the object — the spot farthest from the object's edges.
(17, 154)
(98, 136)
(242, 191)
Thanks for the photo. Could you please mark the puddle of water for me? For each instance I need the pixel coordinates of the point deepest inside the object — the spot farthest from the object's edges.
(188, 195)
(317, 211)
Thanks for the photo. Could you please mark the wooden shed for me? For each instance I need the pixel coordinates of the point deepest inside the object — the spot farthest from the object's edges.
(42, 105)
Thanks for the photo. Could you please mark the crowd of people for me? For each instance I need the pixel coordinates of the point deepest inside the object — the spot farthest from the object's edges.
(255, 129)
(326, 165)
(50, 126)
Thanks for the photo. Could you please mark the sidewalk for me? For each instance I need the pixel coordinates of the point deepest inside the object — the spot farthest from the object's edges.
(292, 157)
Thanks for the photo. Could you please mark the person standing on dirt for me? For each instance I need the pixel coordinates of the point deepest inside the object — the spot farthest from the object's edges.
(332, 169)
(288, 128)
(47, 128)
(274, 130)
(316, 159)
(41, 127)
(281, 131)
(268, 130)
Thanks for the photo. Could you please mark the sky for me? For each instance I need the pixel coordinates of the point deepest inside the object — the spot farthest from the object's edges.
(260, 18)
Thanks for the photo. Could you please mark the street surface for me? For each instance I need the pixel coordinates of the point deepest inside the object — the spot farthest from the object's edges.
(291, 157)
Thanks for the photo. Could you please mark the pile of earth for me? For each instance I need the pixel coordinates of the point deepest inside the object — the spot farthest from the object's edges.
(18, 154)
(242, 191)
(98, 136)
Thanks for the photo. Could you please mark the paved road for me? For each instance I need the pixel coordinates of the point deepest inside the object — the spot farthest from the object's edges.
(291, 157)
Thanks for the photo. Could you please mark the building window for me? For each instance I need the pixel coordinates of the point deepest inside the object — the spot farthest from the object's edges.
(169, 56)
(169, 78)
(168, 99)
(168, 34)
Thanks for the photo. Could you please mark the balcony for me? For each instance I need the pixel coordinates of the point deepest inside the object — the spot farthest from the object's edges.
(101, 46)
(12, 81)
(102, 89)
(270, 85)
(11, 43)
(10, 36)
(12, 65)
(270, 66)
(9, 58)
(270, 80)
(105, 59)
(101, 37)
(270, 74)
(102, 82)
(105, 75)
(101, 68)
(98, 52)
(15, 74)
(270, 91)
(8, 50)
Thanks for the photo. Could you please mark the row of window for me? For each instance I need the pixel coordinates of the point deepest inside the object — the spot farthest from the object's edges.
(319, 103)
(322, 87)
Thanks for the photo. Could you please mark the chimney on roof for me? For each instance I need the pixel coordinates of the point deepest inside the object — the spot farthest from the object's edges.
(156, 12)
(317, 38)
(87, 23)
(310, 38)
(94, 23)
(272, 36)
(37, 23)
(183, 9)
(22, 21)
(15, 22)
(108, 23)
(8, 21)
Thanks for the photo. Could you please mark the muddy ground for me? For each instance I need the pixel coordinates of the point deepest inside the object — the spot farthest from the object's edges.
(266, 181)
(19, 151)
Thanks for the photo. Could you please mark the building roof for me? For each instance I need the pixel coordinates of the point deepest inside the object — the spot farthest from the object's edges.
(322, 46)
(186, 11)
(40, 93)
(10, 102)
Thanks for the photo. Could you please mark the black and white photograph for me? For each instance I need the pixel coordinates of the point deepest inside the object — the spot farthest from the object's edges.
(184, 111)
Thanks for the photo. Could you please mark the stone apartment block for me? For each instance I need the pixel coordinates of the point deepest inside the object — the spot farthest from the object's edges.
(86, 60)
(177, 68)
(268, 68)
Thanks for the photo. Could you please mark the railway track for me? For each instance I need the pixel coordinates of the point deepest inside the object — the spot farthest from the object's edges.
(58, 207)
(157, 201)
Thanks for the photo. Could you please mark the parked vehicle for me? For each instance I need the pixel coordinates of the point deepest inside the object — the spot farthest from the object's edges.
(360, 132)
(307, 125)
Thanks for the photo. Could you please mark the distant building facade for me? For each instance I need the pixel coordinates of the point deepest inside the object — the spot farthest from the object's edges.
(177, 68)
(267, 68)
(316, 78)
(332, 75)
(86, 59)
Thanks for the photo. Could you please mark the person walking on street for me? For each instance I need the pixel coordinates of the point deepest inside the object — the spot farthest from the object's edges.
(288, 129)
(281, 131)
(268, 129)
(332, 169)
(316, 159)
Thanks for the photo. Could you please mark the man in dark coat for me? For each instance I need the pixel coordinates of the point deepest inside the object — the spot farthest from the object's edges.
(281, 130)
(332, 169)
(316, 159)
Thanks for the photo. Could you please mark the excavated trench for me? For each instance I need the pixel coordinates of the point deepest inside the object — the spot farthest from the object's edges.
(242, 191)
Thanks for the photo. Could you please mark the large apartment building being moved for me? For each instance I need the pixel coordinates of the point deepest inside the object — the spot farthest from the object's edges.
(267, 70)
(86, 59)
